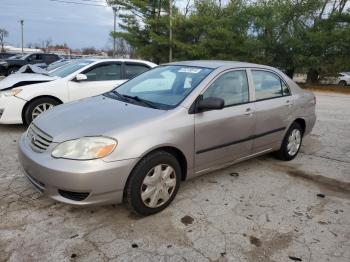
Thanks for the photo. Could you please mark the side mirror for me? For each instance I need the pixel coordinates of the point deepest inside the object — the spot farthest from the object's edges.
(210, 103)
(80, 77)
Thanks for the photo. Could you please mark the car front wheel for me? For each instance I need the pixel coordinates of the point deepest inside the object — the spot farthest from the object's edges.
(153, 183)
(342, 83)
(12, 70)
(291, 143)
(38, 106)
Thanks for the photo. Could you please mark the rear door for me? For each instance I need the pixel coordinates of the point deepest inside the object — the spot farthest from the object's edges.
(101, 78)
(222, 136)
(273, 105)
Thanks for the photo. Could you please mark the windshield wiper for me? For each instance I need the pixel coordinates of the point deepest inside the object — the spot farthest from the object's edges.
(119, 95)
(135, 98)
(138, 99)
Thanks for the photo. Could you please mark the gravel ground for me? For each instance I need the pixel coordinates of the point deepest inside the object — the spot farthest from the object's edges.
(259, 210)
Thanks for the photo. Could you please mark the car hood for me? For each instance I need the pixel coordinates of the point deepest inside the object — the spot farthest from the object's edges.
(22, 79)
(94, 116)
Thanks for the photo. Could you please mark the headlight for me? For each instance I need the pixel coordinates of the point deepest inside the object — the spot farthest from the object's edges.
(9, 93)
(85, 148)
(3, 63)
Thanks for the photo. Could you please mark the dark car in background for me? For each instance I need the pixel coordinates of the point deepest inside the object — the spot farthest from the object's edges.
(4, 55)
(11, 65)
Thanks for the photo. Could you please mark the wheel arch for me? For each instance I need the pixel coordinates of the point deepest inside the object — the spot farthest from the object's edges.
(302, 123)
(35, 98)
(177, 153)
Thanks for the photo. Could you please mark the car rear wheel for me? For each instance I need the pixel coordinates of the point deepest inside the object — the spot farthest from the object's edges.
(153, 183)
(291, 143)
(342, 83)
(38, 106)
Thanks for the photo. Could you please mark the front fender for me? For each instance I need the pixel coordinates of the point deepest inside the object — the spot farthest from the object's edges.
(55, 88)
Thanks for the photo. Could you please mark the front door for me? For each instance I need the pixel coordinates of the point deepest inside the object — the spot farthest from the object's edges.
(273, 106)
(222, 136)
(101, 78)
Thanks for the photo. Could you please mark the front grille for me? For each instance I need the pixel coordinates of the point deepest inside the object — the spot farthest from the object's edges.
(76, 196)
(38, 139)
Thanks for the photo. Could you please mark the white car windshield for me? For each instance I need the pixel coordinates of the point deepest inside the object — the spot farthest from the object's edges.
(164, 87)
(70, 68)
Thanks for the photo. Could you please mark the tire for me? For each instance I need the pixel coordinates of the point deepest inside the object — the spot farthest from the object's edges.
(285, 152)
(342, 83)
(29, 113)
(137, 185)
(12, 70)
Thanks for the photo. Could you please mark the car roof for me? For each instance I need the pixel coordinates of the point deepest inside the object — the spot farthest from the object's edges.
(119, 60)
(213, 64)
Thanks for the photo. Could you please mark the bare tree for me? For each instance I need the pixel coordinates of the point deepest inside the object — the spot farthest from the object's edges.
(187, 8)
(45, 44)
(90, 51)
(3, 34)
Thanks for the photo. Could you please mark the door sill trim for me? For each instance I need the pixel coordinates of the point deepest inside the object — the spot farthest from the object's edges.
(210, 169)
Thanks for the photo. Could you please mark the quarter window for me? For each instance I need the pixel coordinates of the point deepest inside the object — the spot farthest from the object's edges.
(268, 85)
(232, 87)
(104, 72)
(132, 70)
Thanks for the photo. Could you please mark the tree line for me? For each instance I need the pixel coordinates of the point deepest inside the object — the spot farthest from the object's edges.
(297, 36)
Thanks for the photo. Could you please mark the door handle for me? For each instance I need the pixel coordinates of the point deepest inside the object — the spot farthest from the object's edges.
(249, 112)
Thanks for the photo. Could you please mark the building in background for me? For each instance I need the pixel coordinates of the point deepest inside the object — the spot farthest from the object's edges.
(12, 49)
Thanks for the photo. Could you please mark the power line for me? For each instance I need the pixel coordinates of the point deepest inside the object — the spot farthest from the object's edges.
(77, 3)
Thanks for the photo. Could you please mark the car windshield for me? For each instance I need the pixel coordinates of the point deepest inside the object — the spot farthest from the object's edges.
(69, 68)
(23, 57)
(57, 64)
(164, 87)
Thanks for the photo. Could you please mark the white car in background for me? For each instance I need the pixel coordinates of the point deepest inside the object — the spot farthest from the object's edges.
(24, 96)
(342, 79)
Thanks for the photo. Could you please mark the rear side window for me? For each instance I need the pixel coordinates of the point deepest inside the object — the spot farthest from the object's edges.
(132, 70)
(50, 59)
(268, 85)
(232, 87)
(104, 72)
(35, 57)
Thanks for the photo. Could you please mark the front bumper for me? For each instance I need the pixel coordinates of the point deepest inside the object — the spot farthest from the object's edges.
(11, 108)
(75, 182)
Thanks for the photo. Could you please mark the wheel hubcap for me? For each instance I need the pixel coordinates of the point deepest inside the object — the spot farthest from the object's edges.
(294, 142)
(158, 185)
(40, 109)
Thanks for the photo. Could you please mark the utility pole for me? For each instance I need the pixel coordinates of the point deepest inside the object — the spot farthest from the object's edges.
(170, 30)
(115, 9)
(22, 21)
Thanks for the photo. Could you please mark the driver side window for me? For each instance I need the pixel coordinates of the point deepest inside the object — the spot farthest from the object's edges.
(232, 87)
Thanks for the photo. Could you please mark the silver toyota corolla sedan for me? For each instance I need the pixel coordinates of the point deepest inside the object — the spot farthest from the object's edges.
(177, 121)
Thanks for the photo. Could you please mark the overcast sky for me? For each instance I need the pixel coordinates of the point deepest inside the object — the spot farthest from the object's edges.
(77, 25)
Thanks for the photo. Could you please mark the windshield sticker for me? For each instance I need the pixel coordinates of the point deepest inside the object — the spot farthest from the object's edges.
(190, 70)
